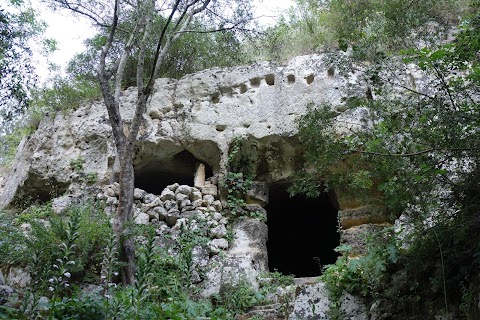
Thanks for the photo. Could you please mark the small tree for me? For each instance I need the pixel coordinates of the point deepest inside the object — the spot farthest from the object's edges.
(17, 26)
(180, 14)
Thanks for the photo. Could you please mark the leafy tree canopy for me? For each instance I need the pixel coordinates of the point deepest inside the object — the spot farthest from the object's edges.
(415, 149)
(195, 50)
(18, 24)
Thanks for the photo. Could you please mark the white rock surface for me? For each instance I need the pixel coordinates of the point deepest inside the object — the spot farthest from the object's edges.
(312, 303)
(200, 113)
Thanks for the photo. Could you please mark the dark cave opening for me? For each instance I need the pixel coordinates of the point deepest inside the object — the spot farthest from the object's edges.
(40, 190)
(154, 175)
(302, 232)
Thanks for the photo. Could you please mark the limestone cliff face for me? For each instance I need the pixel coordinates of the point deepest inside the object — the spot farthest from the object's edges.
(192, 123)
(191, 119)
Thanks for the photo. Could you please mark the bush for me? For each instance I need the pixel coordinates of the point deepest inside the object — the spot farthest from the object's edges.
(39, 246)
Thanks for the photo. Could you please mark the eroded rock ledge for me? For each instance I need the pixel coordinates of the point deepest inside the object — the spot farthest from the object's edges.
(189, 123)
(193, 119)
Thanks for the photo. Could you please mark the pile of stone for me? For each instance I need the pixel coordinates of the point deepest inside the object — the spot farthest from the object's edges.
(177, 208)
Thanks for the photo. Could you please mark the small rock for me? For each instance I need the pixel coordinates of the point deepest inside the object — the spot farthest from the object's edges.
(191, 214)
(162, 213)
(173, 187)
(112, 201)
(171, 218)
(61, 204)
(166, 195)
(183, 189)
(142, 218)
(188, 208)
(162, 228)
(179, 224)
(18, 278)
(136, 212)
(146, 206)
(153, 214)
(208, 199)
(170, 204)
(149, 198)
(212, 223)
(218, 232)
(139, 194)
(109, 191)
(218, 244)
(26, 228)
(196, 195)
(217, 216)
(185, 203)
(181, 196)
(101, 196)
(217, 204)
(210, 190)
(197, 203)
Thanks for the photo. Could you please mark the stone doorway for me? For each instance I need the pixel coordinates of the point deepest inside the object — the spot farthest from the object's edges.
(302, 232)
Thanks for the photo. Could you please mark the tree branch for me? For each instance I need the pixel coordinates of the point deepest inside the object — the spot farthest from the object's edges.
(445, 87)
(234, 26)
(123, 60)
(104, 76)
(81, 10)
(141, 95)
(159, 47)
(413, 154)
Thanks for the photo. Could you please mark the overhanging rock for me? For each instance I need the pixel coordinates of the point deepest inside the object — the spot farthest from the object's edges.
(200, 114)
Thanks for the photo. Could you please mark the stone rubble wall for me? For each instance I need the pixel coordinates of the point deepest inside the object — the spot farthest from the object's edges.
(176, 208)
(182, 208)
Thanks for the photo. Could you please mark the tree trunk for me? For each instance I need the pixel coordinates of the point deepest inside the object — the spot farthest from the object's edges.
(124, 216)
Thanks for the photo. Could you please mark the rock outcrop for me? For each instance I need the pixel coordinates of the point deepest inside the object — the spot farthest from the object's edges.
(182, 153)
(193, 119)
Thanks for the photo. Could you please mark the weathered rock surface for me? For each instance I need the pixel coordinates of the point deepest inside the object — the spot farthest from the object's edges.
(187, 132)
(313, 303)
(200, 114)
(15, 277)
(357, 236)
(5, 292)
(243, 262)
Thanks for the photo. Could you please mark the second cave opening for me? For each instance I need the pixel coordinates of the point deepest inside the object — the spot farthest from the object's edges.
(302, 232)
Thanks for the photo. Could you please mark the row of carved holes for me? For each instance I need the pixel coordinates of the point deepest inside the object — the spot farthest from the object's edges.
(269, 79)
(308, 79)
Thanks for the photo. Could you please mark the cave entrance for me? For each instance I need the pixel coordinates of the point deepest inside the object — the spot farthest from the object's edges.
(302, 232)
(153, 175)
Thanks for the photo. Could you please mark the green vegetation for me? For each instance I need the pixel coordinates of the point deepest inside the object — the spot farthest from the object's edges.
(18, 24)
(77, 167)
(20, 28)
(415, 151)
(237, 182)
(65, 255)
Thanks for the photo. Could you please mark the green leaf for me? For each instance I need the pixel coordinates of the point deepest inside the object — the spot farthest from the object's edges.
(437, 55)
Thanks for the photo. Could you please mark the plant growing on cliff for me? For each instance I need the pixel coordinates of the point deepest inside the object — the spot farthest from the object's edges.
(415, 150)
(136, 20)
